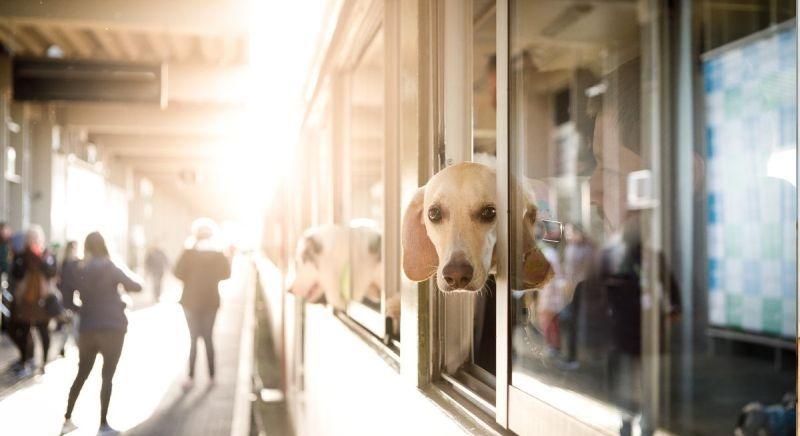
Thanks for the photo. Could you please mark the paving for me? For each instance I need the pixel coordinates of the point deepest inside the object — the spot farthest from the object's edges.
(148, 398)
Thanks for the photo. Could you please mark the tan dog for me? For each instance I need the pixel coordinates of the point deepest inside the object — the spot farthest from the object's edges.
(450, 230)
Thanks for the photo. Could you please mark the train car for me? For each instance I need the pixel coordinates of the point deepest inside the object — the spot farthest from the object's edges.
(646, 150)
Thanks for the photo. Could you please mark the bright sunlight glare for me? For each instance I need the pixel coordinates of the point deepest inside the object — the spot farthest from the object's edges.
(282, 40)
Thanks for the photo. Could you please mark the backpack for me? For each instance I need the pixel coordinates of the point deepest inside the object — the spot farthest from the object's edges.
(32, 295)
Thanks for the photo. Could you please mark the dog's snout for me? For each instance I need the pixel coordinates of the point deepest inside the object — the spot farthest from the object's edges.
(458, 273)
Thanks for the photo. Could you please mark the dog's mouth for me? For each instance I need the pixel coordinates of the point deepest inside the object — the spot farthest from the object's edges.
(473, 286)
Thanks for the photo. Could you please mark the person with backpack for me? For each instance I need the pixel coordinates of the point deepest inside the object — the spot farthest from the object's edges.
(201, 267)
(102, 324)
(33, 271)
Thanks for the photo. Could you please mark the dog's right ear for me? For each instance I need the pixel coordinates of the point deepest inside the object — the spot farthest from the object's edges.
(419, 255)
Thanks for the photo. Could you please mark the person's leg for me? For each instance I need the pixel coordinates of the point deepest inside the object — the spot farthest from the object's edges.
(192, 323)
(18, 334)
(44, 334)
(208, 339)
(87, 352)
(157, 279)
(110, 349)
(26, 341)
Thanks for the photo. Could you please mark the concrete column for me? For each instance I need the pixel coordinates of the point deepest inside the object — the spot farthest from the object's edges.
(5, 101)
(46, 137)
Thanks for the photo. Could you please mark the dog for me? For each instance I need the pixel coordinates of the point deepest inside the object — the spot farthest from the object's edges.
(337, 265)
(449, 231)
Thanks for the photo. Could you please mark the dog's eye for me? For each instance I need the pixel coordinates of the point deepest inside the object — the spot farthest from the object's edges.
(435, 214)
(488, 213)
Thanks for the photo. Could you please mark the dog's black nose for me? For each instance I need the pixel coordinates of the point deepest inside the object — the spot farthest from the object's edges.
(457, 273)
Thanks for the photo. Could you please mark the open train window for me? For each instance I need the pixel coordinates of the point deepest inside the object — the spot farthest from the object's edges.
(369, 302)
(466, 320)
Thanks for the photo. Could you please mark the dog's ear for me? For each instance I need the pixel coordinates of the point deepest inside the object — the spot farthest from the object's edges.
(535, 269)
(419, 255)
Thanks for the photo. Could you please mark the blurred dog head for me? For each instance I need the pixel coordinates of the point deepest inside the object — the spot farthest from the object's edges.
(329, 256)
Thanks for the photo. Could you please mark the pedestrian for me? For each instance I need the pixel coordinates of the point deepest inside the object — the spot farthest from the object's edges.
(5, 273)
(156, 264)
(201, 267)
(67, 284)
(33, 271)
(103, 322)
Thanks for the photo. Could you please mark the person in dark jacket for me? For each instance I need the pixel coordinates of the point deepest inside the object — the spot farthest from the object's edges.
(103, 322)
(32, 270)
(201, 267)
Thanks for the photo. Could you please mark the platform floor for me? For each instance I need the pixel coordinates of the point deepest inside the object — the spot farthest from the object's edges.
(148, 398)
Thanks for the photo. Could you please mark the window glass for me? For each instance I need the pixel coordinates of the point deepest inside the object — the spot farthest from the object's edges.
(467, 319)
(365, 140)
(606, 268)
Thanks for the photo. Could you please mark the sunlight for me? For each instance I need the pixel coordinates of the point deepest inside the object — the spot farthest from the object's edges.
(282, 40)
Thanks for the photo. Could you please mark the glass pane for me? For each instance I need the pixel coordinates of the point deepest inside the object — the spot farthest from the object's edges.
(467, 319)
(365, 216)
(701, 274)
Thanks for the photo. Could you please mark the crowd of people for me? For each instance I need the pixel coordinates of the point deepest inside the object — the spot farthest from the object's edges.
(81, 298)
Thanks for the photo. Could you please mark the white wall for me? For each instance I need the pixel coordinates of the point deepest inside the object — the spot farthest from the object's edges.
(350, 390)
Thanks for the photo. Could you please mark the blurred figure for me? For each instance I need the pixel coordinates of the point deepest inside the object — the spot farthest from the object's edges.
(103, 322)
(5, 273)
(33, 270)
(67, 284)
(201, 267)
(16, 330)
(578, 256)
(156, 264)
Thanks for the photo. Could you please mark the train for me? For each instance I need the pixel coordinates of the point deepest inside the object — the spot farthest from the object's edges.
(667, 219)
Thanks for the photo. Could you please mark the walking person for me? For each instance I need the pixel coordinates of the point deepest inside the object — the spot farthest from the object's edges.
(68, 284)
(201, 267)
(5, 273)
(156, 264)
(33, 270)
(103, 322)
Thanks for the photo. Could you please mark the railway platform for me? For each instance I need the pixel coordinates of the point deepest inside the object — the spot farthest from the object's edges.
(149, 397)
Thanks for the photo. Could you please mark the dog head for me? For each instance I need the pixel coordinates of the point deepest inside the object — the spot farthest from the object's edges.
(449, 229)
(332, 256)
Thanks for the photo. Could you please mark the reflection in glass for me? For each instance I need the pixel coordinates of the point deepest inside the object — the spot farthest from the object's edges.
(716, 305)
(365, 139)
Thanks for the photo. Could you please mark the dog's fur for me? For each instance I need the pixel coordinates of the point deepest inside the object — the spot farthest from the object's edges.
(322, 257)
(460, 193)
(325, 254)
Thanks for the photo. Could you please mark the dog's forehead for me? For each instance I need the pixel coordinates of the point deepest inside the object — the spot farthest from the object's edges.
(464, 184)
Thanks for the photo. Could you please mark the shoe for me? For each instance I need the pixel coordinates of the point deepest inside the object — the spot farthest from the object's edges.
(188, 384)
(68, 426)
(106, 430)
(23, 371)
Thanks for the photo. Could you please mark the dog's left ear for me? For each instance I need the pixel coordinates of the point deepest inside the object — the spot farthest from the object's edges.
(419, 255)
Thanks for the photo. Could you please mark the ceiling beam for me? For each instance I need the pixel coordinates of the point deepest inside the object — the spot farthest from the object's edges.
(29, 41)
(79, 41)
(108, 43)
(192, 16)
(166, 152)
(10, 40)
(159, 44)
(127, 41)
(181, 47)
(157, 141)
(145, 119)
(195, 84)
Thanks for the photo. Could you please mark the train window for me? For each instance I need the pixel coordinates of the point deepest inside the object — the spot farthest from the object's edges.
(467, 320)
(640, 306)
(368, 302)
